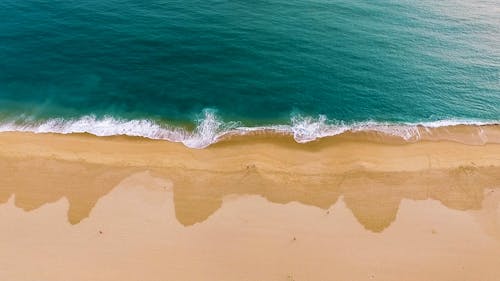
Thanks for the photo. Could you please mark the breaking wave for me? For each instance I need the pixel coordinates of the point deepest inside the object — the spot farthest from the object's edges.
(211, 129)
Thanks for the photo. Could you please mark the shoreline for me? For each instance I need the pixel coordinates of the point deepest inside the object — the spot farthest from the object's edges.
(211, 130)
(347, 153)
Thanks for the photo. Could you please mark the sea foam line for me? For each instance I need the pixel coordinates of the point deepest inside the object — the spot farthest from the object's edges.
(211, 128)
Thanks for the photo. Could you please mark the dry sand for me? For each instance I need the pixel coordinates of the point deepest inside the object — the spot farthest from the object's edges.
(78, 207)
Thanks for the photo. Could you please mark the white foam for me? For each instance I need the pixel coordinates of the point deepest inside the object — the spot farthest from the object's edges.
(455, 122)
(306, 129)
(208, 131)
(211, 129)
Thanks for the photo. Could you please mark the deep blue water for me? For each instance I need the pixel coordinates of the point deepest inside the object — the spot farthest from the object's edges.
(257, 62)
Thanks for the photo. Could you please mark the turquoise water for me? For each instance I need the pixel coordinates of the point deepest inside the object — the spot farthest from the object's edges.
(152, 67)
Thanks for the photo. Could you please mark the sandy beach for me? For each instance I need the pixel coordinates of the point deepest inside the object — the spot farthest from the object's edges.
(249, 140)
(80, 207)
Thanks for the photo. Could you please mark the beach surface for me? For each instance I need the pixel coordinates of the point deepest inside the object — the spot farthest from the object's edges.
(351, 207)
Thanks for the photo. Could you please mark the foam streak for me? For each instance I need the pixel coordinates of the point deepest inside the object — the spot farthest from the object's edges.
(211, 129)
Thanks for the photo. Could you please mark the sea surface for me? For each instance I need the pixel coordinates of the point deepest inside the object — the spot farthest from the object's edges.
(194, 71)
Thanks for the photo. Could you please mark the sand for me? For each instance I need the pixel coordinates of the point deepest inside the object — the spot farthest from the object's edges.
(79, 207)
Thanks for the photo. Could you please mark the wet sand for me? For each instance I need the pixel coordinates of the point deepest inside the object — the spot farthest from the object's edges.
(78, 207)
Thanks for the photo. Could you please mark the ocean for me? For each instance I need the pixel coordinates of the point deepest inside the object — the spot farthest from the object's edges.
(196, 71)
